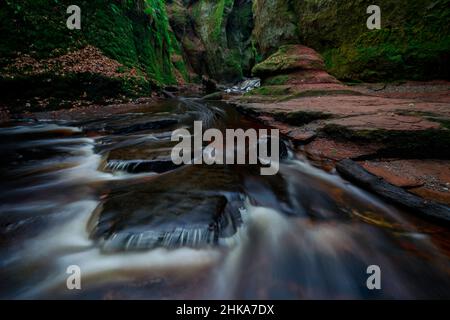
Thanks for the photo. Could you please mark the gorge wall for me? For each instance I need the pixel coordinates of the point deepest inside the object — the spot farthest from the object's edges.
(152, 43)
(216, 36)
(224, 38)
(124, 48)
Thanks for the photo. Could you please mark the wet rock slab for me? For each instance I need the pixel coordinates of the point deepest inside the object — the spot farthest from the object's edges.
(140, 166)
(377, 122)
(141, 126)
(429, 178)
(338, 150)
(187, 207)
(357, 174)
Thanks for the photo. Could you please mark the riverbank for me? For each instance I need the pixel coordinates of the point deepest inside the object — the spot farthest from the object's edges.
(397, 132)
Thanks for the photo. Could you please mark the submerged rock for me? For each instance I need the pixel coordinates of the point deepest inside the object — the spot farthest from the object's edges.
(194, 207)
(149, 125)
(140, 166)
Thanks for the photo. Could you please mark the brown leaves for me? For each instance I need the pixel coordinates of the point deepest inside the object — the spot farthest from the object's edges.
(87, 60)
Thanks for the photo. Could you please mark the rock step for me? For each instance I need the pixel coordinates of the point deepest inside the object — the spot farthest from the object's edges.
(354, 172)
(140, 166)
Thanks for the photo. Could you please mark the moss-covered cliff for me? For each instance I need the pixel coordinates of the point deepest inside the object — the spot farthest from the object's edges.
(275, 25)
(223, 40)
(216, 36)
(161, 42)
(136, 33)
(413, 43)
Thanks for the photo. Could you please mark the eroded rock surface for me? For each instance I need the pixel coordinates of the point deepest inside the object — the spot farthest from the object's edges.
(367, 122)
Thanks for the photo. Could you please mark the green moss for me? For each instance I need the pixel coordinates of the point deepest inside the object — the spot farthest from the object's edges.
(414, 42)
(286, 59)
(225, 31)
(369, 61)
(277, 80)
(133, 32)
(276, 24)
(178, 60)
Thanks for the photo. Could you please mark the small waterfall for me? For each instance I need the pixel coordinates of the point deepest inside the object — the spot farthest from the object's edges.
(140, 166)
(245, 86)
(179, 237)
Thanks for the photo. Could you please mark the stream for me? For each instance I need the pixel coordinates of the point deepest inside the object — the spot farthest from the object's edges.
(101, 193)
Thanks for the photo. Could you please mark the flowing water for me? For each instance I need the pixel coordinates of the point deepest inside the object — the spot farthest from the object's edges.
(99, 192)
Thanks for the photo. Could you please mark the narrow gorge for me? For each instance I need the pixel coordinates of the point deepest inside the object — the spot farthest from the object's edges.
(356, 121)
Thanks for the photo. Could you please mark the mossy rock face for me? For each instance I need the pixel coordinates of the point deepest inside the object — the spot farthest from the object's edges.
(135, 33)
(224, 28)
(278, 80)
(293, 65)
(215, 36)
(275, 25)
(413, 42)
(289, 58)
(52, 91)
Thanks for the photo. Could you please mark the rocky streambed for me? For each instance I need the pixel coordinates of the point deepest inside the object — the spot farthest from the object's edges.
(398, 132)
(384, 131)
(95, 189)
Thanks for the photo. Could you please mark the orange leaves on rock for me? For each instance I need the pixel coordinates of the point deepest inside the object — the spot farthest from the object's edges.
(87, 60)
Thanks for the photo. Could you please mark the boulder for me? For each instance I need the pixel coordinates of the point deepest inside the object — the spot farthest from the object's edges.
(209, 85)
(293, 64)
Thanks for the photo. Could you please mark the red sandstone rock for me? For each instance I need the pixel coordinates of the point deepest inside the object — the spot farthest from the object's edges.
(300, 65)
(429, 178)
(337, 150)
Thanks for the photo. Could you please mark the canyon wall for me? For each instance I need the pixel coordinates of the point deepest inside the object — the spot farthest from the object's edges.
(222, 39)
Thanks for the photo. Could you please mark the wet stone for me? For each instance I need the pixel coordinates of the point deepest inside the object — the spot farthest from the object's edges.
(187, 207)
(141, 166)
(150, 125)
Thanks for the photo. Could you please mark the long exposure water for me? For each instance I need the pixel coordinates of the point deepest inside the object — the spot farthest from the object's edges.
(101, 193)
